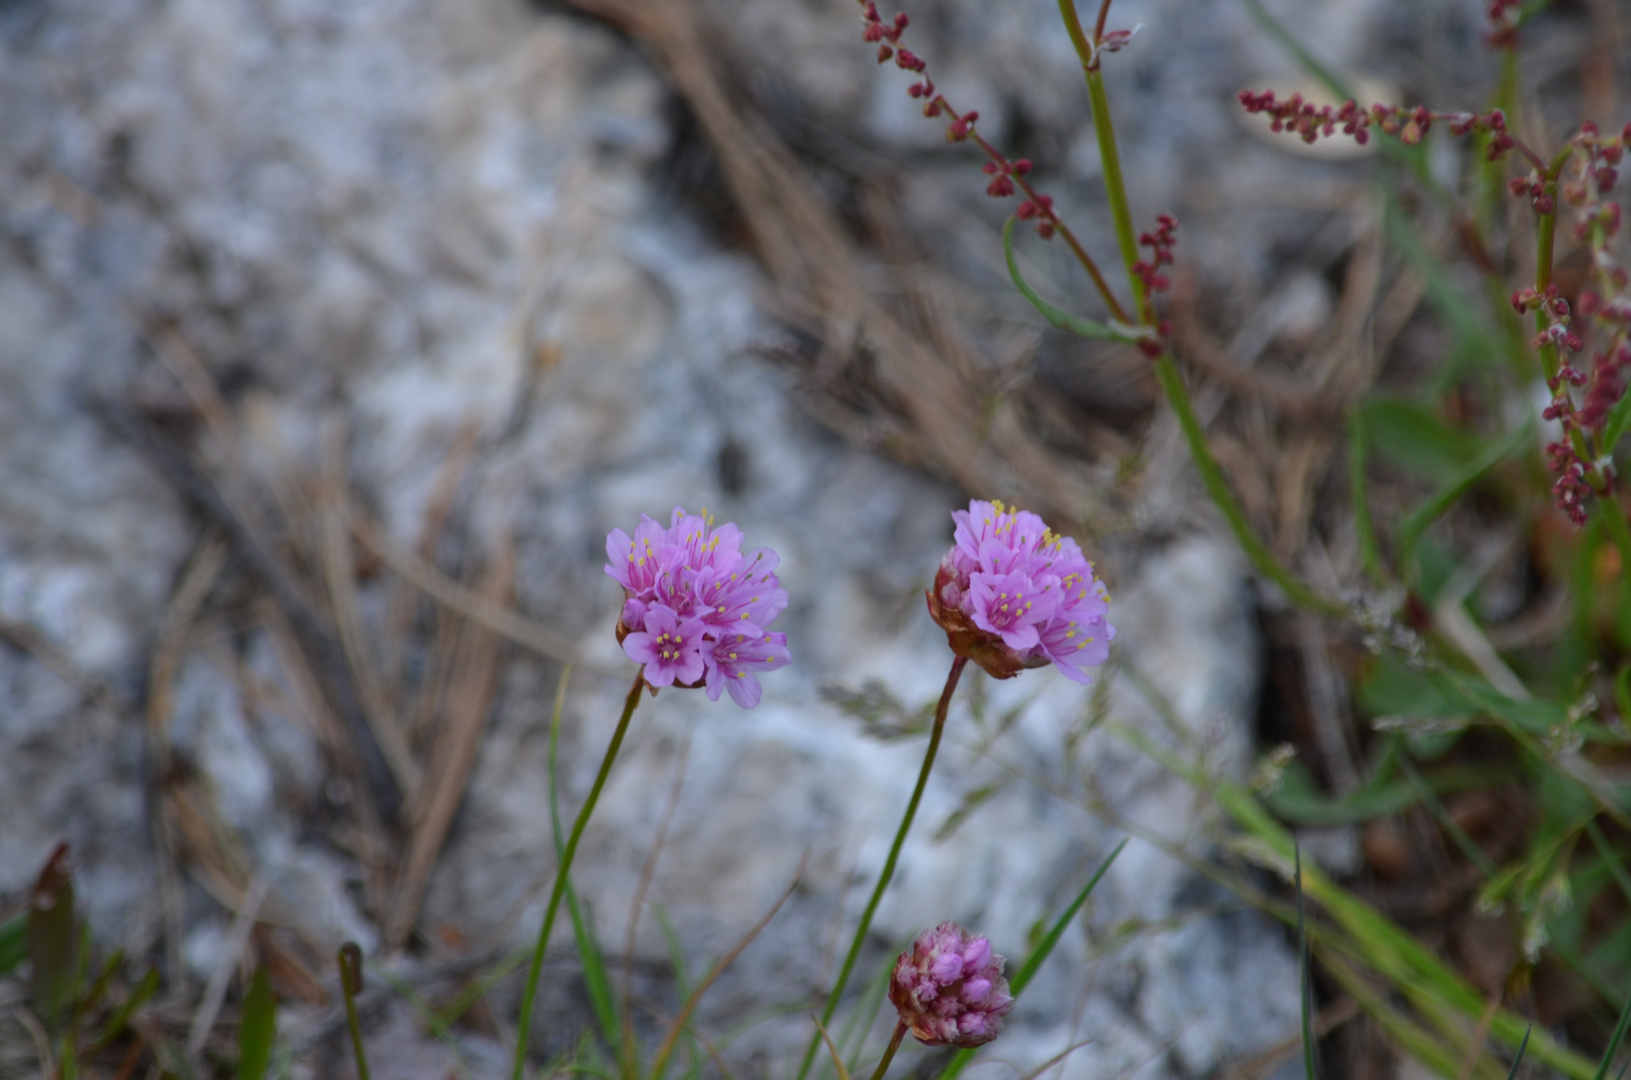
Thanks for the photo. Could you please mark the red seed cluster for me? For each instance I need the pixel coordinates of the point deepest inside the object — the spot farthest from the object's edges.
(1010, 177)
(1311, 122)
(1504, 17)
(1160, 242)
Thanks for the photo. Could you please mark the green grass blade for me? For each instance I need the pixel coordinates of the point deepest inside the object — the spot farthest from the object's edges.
(1305, 964)
(1618, 423)
(1447, 496)
(1517, 1059)
(1063, 320)
(259, 1027)
(1044, 948)
(1614, 1041)
(138, 997)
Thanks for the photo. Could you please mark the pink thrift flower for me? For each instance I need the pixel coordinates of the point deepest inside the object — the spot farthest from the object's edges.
(670, 647)
(1012, 595)
(696, 608)
(737, 655)
(949, 990)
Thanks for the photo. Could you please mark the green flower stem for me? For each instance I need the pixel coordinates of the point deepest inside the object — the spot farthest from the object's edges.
(940, 710)
(1116, 189)
(524, 1022)
(350, 961)
(889, 1054)
(1172, 385)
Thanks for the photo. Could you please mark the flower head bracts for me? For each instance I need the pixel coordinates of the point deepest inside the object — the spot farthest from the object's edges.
(696, 608)
(949, 990)
(1012, 595)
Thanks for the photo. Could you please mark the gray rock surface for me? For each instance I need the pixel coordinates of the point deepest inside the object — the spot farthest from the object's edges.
(422, 216)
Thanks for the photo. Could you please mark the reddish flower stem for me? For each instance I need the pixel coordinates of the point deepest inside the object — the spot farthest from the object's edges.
(1098, 25)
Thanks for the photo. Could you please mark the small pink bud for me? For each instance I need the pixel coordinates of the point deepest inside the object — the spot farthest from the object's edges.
(948, 988)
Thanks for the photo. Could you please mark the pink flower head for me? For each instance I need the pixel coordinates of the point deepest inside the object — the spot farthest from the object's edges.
(696, 608)
(670, 647)
(1012, 595)
(949, 990)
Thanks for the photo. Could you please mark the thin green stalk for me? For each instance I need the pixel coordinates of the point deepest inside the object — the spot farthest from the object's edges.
(940, 710)
(1073, 27)
(524, 1021)
(1172, 385)
(1166, 371)
(889, 1054)
(1116, 189)
(350, 959)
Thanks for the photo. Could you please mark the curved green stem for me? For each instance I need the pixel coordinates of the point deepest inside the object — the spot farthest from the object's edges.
(1172, 385)
(524, 1022)
(888, 872)
(889, 1054)
(1116, 189)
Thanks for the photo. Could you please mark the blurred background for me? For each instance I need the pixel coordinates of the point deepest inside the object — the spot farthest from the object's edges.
(335, 338)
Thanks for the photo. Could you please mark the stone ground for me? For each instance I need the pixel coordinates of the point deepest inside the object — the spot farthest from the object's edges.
(397, 234)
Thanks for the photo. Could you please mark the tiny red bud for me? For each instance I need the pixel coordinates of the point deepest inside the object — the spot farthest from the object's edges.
(884, 53)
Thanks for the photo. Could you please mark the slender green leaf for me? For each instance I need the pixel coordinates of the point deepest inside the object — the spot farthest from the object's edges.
(1376, 941)
(1305, 971)
(1614, 1041)
(1081, 327)
(1045, 947)
(1039, 955)
(92, 997)
(13, 942)
(121, 1018)
(1517, 1059)
(1414, 436)
(53, 943)
(259, 1027)
(1618, 423)
(1457, 486)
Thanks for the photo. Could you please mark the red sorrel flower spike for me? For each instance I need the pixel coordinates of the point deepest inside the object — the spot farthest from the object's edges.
(949, 990)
